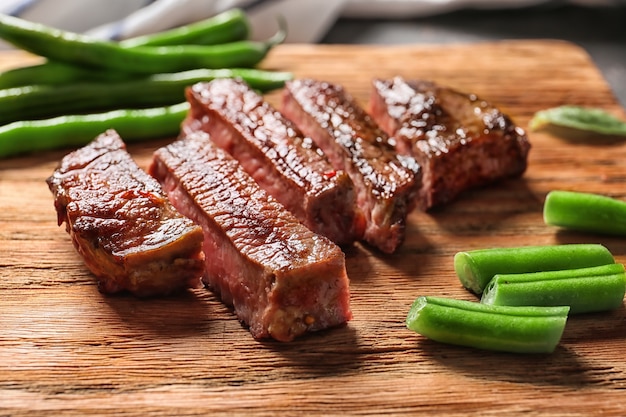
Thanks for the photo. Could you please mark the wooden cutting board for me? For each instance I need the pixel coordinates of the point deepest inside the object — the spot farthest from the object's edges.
(65, 349)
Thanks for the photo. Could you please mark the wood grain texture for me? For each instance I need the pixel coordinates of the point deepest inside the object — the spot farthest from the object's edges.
(67, 350)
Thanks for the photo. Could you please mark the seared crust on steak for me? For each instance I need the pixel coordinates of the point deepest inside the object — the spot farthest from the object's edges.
(353, 142)
(122, 224)
(281, 278)
(271, 149)
(459, 140)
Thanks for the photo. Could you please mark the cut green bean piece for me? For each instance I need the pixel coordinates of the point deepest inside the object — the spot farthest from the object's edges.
(586, 212)
(584, 290)
(78, 130)
(476, 268)
(483, 326)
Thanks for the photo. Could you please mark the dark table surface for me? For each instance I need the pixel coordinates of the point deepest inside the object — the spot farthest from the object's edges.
(601, 31)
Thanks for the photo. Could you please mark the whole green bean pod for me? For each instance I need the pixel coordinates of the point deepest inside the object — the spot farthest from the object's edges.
(483, 326)
(77, 130)
(83, 50)
(228, 26)
(584, 290)
(56, 73)
(585, 212)
(36, 101)
(476, 268)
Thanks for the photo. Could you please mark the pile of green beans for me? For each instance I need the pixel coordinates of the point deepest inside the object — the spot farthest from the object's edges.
(85, 81)
(527, 294)
(76, 49)
(229, 26)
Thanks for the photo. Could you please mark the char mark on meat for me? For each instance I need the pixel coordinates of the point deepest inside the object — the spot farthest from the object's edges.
(270, 148)
(459, 140)
(353, 142)
(281, 278)
(121, 223)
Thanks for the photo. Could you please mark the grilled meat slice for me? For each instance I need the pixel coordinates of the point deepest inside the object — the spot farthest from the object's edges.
(459, 140)
(354, 143)
(270, 148)
(122, 224)
(281, 278)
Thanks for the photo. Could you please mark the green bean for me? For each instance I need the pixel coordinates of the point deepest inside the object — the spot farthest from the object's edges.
(584, 290)
(583, 119)
(82, 50)
(36, 101)
(483, 326)
(228, 26)
(476, 268)
(585, 212)
(77, 130)
(56, 73)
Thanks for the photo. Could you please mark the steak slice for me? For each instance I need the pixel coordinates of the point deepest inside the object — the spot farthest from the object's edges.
(353, 142)
(121, 223)
(270, 148)
(459, 140)
(281, 278)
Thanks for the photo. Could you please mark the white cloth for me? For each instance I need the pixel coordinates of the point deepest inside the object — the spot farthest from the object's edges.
(308, 20)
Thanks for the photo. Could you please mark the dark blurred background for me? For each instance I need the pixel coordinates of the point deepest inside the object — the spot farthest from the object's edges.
(601, 31)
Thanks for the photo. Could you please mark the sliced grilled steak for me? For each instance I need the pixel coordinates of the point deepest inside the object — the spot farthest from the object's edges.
(271, 149)
(354, 143)
(459, 140)
(122, 224)
(281, 278)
